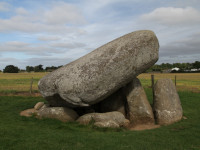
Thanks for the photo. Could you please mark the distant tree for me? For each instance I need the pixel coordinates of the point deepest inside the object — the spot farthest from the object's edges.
(196, 64)
(178, 65)
(38, 68)
(164, 66)
(184, 67)
(22, 70)
(11, 69)
(29, 68)
(156, 68)
(50, 69)
(59, 66)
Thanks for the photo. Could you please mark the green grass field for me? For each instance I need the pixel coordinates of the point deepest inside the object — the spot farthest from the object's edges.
(21, 133)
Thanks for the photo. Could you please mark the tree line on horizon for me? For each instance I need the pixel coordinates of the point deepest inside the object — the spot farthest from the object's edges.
(183, 67)
(154, 68)
(38, 68)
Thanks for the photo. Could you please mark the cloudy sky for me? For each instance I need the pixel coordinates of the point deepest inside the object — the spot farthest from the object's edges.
(53, 32)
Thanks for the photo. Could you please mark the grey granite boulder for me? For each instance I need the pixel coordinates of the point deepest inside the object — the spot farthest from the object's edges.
(107, 124)
(95, 76)
(139, 109)
(104, 119)
(61, 113)
(167, 105)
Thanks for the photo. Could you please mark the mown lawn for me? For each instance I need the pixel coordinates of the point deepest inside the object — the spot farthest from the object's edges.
(21, 133)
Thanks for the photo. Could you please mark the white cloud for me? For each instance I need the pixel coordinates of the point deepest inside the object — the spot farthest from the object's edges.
(16, 44)
(182, 50)
(71, 49)
(28, 48)
(64, 13)
(11, 61)
(20, 24)
(4, 7)
(56, 32)
(173, 16)
(48, 61)
(21, 11)
(68, 45)
(57, 19)
(48, 38)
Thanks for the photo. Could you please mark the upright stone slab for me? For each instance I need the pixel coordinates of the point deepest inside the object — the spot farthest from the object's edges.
(167, 105)
(139, 109)
(100, 73)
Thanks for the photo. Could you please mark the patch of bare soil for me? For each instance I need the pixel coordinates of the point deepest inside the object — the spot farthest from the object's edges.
(144, 127)
(21, 94)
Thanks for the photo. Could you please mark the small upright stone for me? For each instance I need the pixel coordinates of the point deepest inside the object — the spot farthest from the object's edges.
(167, 105)
(139, 109)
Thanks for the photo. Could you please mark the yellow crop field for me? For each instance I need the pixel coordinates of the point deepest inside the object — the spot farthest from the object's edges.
(20, 82)
(184, 81)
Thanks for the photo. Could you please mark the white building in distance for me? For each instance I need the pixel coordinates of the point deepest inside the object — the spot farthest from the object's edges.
(176, 69)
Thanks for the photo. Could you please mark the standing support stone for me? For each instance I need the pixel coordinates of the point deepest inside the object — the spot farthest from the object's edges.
(167, 105)
(140, 111)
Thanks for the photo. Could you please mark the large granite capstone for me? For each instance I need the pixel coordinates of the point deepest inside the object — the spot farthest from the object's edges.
(97, 75)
